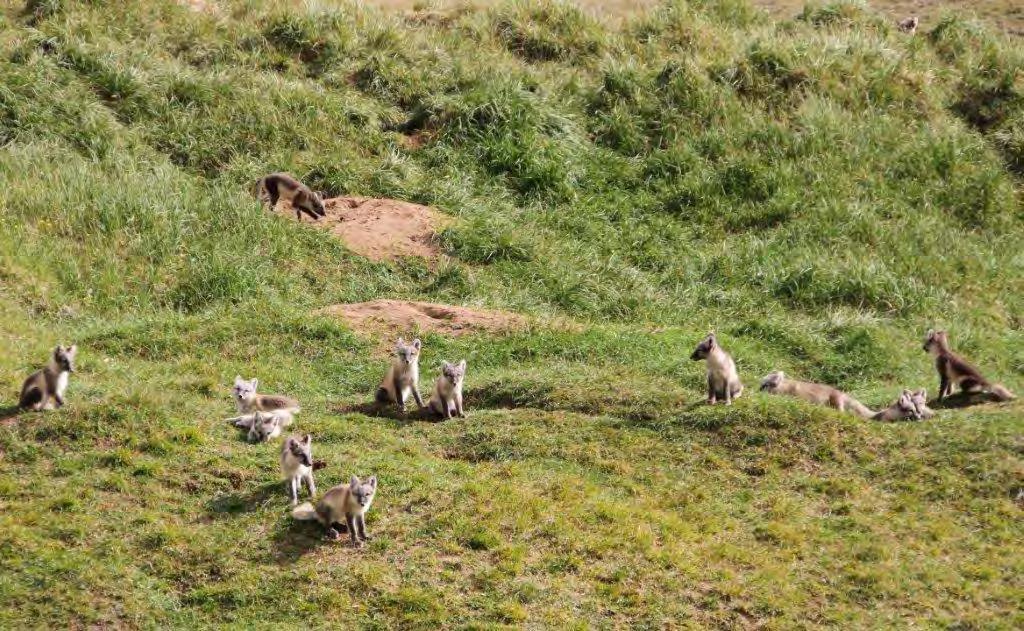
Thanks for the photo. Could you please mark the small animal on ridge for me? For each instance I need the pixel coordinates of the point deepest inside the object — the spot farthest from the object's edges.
(447, 397)
(44, 389)
(908, 25)
(277, 186)
(955, 370)
(723, 380)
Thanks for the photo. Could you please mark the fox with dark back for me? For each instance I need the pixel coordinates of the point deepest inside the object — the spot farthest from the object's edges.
(277, 186)
(954, 370)
(44, 389)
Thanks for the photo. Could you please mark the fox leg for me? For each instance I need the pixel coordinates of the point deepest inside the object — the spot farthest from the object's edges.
(361, 523)
(351, 523)
(416, 394)
(399, 394)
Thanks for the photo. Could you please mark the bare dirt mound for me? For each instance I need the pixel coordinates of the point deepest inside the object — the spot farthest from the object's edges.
(420, 317)
(380, 229)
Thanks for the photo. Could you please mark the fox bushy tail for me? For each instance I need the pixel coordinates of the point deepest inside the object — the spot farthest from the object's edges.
(305, 512)
(860, 409)
(1001, 393)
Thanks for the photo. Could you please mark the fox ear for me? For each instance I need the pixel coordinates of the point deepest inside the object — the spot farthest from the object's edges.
(238, 379)
(923, 393)
(73, 349)
(462, 365)
(307, 439)
(401, 341)
(354, 482)
(255, 382)
(372, 481)
(416, 343)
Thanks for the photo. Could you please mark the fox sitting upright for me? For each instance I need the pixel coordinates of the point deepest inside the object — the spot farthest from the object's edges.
(44, 389)
(778, 383)
(723, 380)
(955, 370)
(403, 376)
(278, 186)
(447, 397)
(348, 502)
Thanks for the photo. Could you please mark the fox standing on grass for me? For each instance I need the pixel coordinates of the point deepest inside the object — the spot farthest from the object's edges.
(956, 371)
(723, 380)
(778, 383)
(348, 502)
(403, 376)
(44, 389)
(278, 186)
(297, 466)
(447, 397)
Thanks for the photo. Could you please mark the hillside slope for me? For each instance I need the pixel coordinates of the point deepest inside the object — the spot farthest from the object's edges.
(818, 191)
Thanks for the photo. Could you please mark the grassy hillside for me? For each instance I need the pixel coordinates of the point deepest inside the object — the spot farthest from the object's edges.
(818, 191)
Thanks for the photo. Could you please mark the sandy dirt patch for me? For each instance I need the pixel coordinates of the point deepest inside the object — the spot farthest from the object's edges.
(379, 229)
(402, 317)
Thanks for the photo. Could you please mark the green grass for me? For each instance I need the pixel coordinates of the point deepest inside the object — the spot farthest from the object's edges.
(819, 191)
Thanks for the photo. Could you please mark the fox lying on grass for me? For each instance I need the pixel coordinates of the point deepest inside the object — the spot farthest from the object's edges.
(778, 383)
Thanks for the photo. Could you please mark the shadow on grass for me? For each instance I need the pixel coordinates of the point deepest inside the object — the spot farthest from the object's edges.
(963, 400)
(387, 411)
(232, 504)
(302, 537)
(9, 412)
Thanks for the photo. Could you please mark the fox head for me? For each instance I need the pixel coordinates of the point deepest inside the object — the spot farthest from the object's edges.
(407, 354)
(301, 450)
(906, 405)
(773, 380)
(263, 425)
(64, 357)
(704, 348)
(909, 25)
(244, 389)
(315, 204)
(919, 398)
(935, 341)
(454, 373)
(363, 491)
